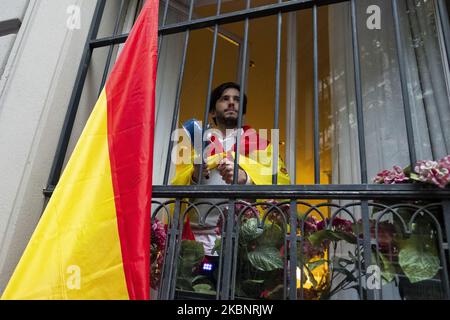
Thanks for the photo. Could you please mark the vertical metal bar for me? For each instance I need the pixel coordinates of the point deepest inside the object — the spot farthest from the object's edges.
(379, 291)
(243, 89)
(358, 255)
(234, 269)
(316, 99)
(446, 214)
(138, 9)
(228, 252)
(177, 247)
(362, 143)
(286, 269)
(177, 99)
(358, 93)
(300, 255)
(111, 48)
(276, 145)
(139, 6)
(366, 243)
(293, 251)
(445, 24)
(291, 99)
(166, 10)
(404, 83)
(169, 261)
(69, 120)
(219, 273)
(208, 94)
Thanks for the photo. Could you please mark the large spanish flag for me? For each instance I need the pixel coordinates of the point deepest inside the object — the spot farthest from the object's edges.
(93, 240)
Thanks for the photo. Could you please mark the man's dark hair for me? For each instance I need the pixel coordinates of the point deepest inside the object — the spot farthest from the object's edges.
(217, 93)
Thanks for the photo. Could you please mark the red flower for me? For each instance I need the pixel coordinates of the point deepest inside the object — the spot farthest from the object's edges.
(265, 294)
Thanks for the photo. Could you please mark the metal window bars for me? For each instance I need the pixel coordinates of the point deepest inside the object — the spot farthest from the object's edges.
(364, 194)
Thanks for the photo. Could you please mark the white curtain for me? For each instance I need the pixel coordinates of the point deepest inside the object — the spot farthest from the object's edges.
(170, 58)
(166, 85)
(384, 118)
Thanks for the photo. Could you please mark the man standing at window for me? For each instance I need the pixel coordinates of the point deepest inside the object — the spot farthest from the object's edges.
(255, 160)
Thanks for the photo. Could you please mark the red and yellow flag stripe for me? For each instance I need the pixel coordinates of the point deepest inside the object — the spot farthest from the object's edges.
(93, 240)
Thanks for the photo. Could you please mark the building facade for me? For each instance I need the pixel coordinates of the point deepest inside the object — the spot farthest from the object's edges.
(352, 88)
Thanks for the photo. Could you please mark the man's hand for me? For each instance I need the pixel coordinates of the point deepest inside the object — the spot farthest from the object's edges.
(197, 168)
(226, 170)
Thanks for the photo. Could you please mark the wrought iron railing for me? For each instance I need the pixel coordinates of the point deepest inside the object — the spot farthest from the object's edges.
(398, 205)
(246, 15)
(355, 242)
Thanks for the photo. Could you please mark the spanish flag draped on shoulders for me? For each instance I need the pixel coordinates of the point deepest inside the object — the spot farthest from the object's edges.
(93, 239)
(255, 158)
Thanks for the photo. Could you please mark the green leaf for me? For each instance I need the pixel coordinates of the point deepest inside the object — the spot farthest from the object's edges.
(415, 177)
(191, 252)
(250, 231)
(217, 245)
(272, 236)
(350, 238)
(253, 281)
(266, 258)
(387, 268)
(252, 288)
(407, 170)
(310, 277)
(318, 237)
(353, 257)
(342, 262)
(357, 228)
(317, 263)
(418, 259)
(204, 288)
(184, 283)
(349, 276)
(200, 279)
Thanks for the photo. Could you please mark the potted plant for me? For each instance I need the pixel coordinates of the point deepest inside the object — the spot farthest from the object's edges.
(417, 259)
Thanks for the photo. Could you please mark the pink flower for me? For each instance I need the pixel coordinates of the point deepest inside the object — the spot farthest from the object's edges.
(342, 224)
(445, 162)
(435, 172)
(158, 234)
(338, 224)
(158, 241)
(249, 212)
(391, 176)
(311, 225)
(385, 236)
(380, 176)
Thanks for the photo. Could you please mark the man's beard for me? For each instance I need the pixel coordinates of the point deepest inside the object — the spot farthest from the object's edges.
(228, 122)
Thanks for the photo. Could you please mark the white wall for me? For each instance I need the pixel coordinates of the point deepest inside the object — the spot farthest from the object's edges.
(41, 69)
(11, 17)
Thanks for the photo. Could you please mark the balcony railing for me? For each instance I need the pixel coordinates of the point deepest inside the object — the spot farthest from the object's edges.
(396, 235)
(350, 242)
